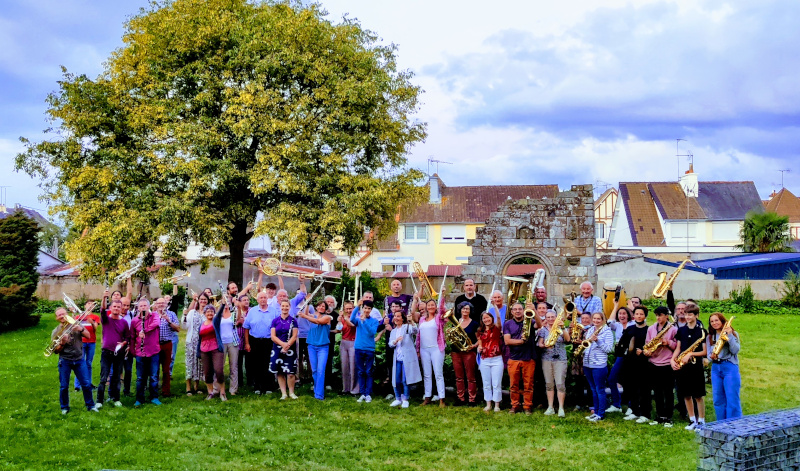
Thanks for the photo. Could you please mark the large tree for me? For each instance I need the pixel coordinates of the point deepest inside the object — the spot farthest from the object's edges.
(19, 257)
(765, 232)
(216, 111)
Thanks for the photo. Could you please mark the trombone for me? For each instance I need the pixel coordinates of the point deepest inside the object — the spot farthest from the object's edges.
(69, 326)
(272, 267)
(176, 278)
(425, 282)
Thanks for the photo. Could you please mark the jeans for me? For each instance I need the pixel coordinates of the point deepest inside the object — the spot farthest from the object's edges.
(464, 366)
(347, 354)
(365, 362)
(521, 370)
(110, 364)
(231, 350)
(400, 382)
(597, 383)
(65, 367)
(432, 367)
(318, 358)
(164, 358)
(725, 385)
(492, 374)
(88, 358)
(175, 340)
(613, 380)
(147, 369)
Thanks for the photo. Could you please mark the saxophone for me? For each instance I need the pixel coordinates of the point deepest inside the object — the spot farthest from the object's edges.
(456, 335)
(665, 284)
(653, 345)
(526, 325)
(723, 338)
(691, 348)
(556, 331)
(588, 342)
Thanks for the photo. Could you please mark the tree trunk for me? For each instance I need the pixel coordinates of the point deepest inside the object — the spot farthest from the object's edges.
(239, 237)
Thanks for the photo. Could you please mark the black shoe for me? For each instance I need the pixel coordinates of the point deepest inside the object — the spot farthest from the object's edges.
(78, 388)
(459, 403)
(473, 404)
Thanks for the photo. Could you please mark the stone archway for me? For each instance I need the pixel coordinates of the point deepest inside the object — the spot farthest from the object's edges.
(557, 231)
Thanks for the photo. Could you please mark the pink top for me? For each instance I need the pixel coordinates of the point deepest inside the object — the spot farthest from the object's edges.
(151, 326)
(440, 322)
(663, 355)
(208, 338)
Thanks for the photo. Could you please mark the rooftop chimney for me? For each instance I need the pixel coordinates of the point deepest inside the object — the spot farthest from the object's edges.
(689, 182)
(435, 190)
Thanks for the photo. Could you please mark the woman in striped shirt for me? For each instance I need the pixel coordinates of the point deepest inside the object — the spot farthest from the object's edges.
(595, 363)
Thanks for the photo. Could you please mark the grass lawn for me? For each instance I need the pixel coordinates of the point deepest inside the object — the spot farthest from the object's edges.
(258, 433)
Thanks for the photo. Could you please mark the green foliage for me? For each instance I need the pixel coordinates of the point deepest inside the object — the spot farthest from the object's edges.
(744, 297)
(765, 232)
(791, 289)
(214, 111)
(256, 433)
(19, 258)
(769, 307)
(367, 284)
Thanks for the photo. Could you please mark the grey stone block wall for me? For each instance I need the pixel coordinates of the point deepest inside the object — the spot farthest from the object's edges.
(557, 231)
(765, 441)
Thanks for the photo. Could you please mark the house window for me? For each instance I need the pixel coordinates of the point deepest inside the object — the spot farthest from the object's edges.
(679, 230)
(599, 230)
(416, 233)
(399, 267)
(725, 231)
(395, 263)
(454, 234)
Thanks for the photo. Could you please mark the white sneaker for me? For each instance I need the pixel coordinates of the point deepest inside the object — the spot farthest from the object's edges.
(596, 418)
(368, 399)
(488, 407)
(691, 426)
(395, 403)
(404, 405)
(613, 409)
(361, 399)
(257, 392)
(561, 413)
(590, 417)
(630, 417)
(389, 397)
(293, 396)
(667, 424)
(96, 407)
(653, 422)
(642, 420)
(64, 411)
(434, 398)
(497, 408)
(117, 404)
(630, 411)
(267, 392)
(549, 411)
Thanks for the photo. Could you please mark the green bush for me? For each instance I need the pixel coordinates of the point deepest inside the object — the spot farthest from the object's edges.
(770, 307)
(791, 289)
(744, 297)
(19, 247)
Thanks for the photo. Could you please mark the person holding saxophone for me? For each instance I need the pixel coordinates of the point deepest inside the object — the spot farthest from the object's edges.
(660, 345)
(554, 359)
(723, 351)
(519, 334)
(687, 361)
(598, 344)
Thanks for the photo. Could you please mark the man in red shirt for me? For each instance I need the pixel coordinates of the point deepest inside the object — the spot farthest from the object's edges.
(89, 343)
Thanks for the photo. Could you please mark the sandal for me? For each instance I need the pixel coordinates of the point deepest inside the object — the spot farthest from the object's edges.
(210, 397)
(188, 394)
(223, 397)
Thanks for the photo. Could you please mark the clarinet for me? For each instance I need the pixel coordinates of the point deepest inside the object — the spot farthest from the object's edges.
(142, 317)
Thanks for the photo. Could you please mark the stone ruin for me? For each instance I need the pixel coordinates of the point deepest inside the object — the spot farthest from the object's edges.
(559, 232)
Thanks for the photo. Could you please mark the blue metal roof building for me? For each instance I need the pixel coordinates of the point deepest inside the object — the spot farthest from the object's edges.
(752, 266)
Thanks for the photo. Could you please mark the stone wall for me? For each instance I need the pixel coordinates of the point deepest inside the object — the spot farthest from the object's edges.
(559, 232)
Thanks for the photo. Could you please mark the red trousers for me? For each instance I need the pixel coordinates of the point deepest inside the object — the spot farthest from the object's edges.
(523, 370)
(464, 364)
(164, 359)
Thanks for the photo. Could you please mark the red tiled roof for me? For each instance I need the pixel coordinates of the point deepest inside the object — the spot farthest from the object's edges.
(785, 204)
(642, 214)
(523, 270)
(462, 204)
(438, 270)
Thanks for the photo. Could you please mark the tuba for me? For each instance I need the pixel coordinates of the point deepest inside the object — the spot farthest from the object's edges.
(456, 335)
(722, 339)
(515, 285)
(665, 284)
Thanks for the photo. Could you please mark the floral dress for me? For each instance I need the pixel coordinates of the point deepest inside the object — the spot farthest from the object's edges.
(194, 368)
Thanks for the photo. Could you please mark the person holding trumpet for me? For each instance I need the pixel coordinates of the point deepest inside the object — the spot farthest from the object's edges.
(70, 358)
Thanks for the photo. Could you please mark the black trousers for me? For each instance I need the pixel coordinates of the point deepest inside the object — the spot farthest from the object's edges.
(258, 364)
(662, 379)
(329, 365)
(110, 364)
(639, 384)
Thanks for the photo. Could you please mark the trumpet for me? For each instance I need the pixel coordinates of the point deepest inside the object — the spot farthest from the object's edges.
(129, 272)
(272, 267)
(176, 278)
(425, 282)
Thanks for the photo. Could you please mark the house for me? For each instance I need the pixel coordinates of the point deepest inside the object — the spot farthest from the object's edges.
(436, 232)
(784, 203)
(689, 216)
(604, 216)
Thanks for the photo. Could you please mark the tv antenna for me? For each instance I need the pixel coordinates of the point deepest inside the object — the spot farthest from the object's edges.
(785, 170)
(3, 194)
(431, 160)
(600, 186)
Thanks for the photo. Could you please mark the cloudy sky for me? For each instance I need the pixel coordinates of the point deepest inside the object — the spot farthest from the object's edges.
(521, 92)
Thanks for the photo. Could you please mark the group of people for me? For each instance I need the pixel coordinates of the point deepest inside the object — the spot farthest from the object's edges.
(272, 341)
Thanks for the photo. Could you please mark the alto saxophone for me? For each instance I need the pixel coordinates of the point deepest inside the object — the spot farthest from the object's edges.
(556, 331)
(665, 284)
(723, 338)
(691, 348)
(653, 345)
(588, 342)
